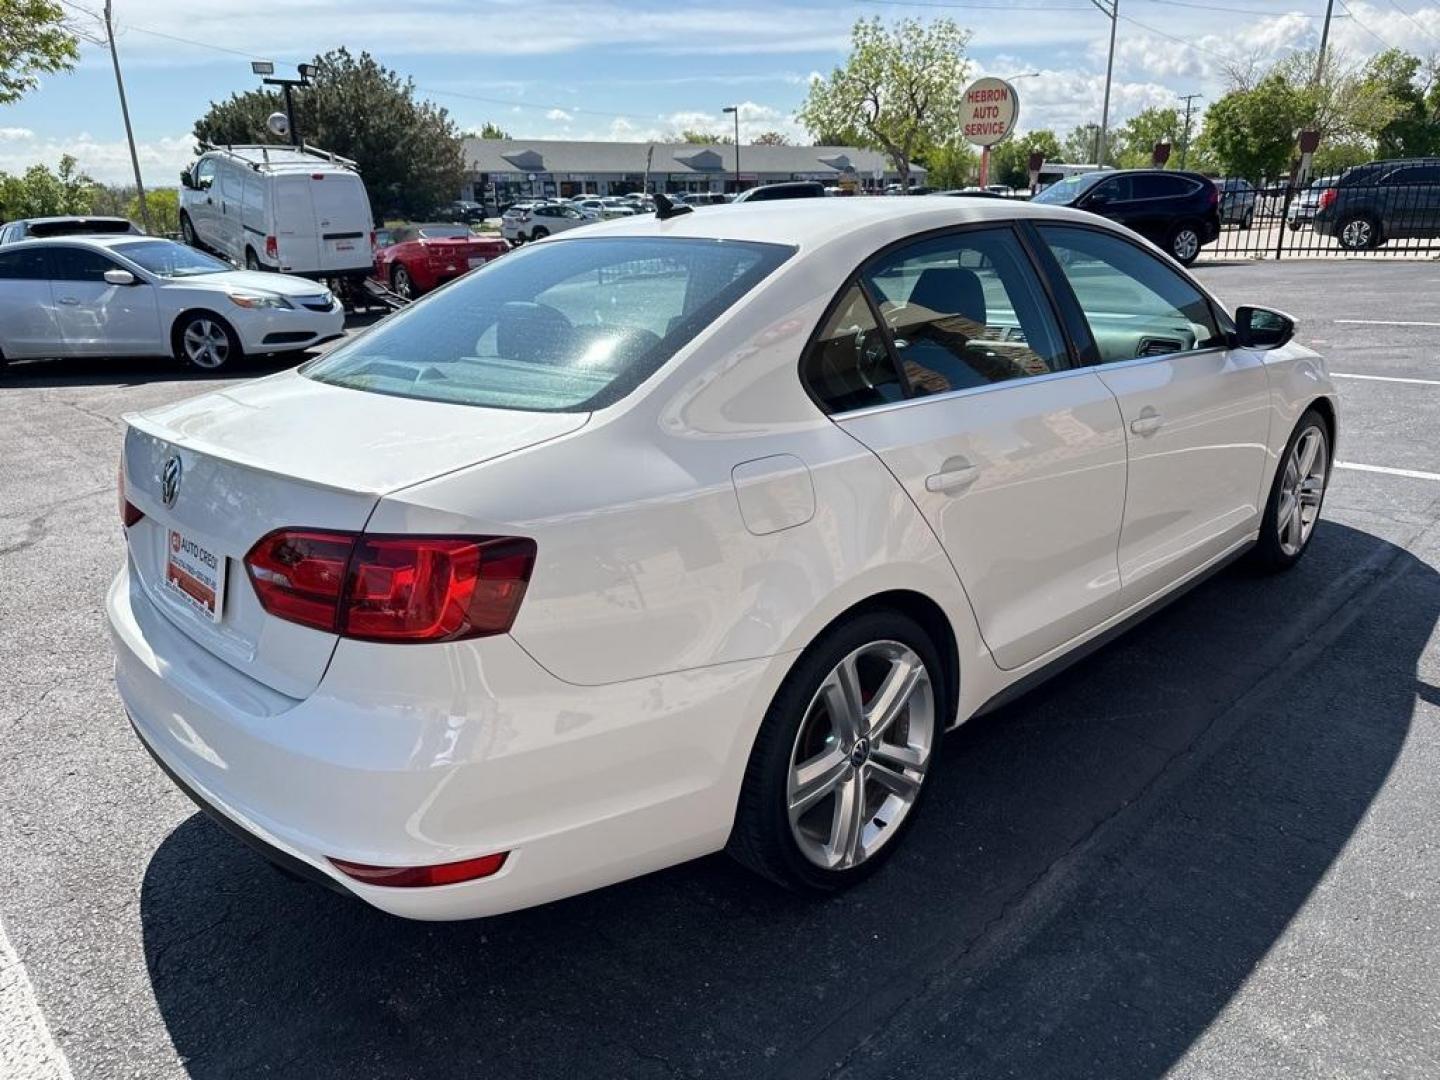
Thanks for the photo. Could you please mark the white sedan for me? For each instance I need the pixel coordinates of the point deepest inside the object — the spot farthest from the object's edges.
(687, 533)
(118, 296)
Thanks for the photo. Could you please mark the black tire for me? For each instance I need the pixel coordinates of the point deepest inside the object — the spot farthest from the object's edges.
(762, 838)
(1295, 226)
(1269, 555)
(1249, 219)
(206, 325)
(187, 231)
(1358, 232)
(539, 233)
(402, 282)
(1183, 242)
(252, 261)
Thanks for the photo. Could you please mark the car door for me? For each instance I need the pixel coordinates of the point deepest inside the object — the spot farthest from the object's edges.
(1196, 412)
(1113, 199)
(1015, 456)
(97, 318)
(27, 313)
(1412, 195)
(229, 222)
(202, 208)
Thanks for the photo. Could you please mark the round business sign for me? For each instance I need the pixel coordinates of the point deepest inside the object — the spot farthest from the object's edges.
(989, 111)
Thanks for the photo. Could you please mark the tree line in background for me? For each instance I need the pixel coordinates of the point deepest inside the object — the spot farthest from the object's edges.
(41, 191)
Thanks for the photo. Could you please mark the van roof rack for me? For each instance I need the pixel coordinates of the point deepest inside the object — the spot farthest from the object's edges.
(271, 157)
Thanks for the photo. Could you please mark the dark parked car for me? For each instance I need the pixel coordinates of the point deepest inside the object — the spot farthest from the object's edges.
(1179, 211)
(1384, 200)
(463, 210)
(1237, 202)
(35, 228)
(793, 189)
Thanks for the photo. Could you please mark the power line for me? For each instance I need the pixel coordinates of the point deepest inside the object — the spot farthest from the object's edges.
(1414, 22)
(1362, 26)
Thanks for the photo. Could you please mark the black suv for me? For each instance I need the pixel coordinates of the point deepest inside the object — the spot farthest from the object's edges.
(1180, 211)
(1384, 200)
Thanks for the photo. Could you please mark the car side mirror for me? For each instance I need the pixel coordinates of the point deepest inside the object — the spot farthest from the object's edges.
(186, 181)
(1097, 202)
(1262, 328)
(119, 277)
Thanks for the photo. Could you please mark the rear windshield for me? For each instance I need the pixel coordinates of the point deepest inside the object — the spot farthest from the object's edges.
(81, 227)
(565, 326)
(444, 232)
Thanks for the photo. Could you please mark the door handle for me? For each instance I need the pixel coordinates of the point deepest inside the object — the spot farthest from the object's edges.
(68, 301)
(1147, 423)
(955, 475)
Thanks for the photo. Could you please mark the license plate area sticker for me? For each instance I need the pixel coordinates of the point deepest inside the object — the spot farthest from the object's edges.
(194, 575)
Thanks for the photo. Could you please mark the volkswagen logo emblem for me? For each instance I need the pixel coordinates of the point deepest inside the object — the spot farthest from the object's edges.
(170, 480)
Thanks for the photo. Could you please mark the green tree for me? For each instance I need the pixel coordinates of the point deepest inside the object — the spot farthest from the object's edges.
(770, 138)
(44, 192)
(899, 90)
(701, 138)
(1079, 146)
(1010, 160)
(952, 164)
(491, 131)
(1252, 132)
(1135, 140)
(1415, 129)
(409, 151)
(34, 41)
(164, 207)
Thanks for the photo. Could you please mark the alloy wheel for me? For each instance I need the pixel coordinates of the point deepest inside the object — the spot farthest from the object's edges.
(860, 755)
(206, 344)
(1357, 233)
(1186, 245)
(1301, 491)
(404, 286)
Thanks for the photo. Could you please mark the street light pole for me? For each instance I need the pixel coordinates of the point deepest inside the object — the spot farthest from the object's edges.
(125, 113)
(736, 110)
(1113, 11)
(266, 69)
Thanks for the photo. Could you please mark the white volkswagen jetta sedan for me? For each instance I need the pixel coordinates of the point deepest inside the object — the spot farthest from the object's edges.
(686, 534)
(120, 296)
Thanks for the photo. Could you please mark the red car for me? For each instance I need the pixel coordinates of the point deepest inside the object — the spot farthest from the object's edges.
(419, 258)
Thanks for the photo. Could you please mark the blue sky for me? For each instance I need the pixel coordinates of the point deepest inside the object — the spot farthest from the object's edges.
(639, 69)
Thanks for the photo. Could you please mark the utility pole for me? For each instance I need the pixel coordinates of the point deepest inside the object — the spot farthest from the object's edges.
(125, 113)
(1185, 139)
(1113, 13)
(736, 110)
(1324, 39)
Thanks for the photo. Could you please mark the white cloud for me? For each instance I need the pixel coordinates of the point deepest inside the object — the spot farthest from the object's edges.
(107, 161)
(559, 115)
(14, 134)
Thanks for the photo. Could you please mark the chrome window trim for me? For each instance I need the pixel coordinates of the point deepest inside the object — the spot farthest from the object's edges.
(1024, 380)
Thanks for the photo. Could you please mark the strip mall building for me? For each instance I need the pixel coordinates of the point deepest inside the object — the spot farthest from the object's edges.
(503, 170)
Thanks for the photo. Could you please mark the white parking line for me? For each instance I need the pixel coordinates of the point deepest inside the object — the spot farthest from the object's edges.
(1414, 474)
(26, 1046)
(1385, 378)
(1383, 322)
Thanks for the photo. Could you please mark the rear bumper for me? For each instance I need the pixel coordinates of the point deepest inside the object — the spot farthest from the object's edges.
(448, 752)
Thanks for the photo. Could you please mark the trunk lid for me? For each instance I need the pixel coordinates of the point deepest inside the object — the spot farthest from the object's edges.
(288, 452)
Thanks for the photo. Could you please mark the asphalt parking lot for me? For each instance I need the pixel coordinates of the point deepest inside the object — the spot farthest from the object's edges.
(1207, 851)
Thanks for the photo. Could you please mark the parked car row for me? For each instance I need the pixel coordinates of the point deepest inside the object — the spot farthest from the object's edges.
(1179, 211)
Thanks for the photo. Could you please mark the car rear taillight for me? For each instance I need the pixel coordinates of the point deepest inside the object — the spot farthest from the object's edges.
(373, 246)
(392, 588)
(410, 877)
(1212, 197)
(129, 512)
(272, 248)
(1327, 198)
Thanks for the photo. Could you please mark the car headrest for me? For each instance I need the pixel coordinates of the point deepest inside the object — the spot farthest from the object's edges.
(950, 290)
(531, 332)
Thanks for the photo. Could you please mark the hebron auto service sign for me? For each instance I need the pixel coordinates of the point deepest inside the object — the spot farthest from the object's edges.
(989, 111)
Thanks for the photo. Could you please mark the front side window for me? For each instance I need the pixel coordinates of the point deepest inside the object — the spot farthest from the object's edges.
(1136, 305)
(79, 264)
(562, 327)
(965, 310)
(205, 173)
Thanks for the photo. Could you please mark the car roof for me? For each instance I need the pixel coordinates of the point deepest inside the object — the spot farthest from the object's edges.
(810, 223)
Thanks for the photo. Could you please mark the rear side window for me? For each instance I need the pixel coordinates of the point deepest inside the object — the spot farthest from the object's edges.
(848, 365)
(559, 327)
(79, 264)
(965, 310)
(1415, 174)
(27, 265)
(1158, 186)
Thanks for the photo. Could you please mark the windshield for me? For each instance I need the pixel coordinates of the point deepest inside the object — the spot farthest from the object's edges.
(169, 259)
(1065, 191)
(560, 327)
(444, 232)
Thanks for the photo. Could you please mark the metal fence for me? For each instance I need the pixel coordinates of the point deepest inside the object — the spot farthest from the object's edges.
(1278, 220)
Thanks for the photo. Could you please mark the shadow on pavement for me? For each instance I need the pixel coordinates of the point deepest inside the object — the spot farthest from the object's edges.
(1201, 775)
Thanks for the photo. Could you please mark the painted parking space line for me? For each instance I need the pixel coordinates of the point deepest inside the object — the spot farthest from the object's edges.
(1385, 378)
(26, 1046)
(1414, 474)
(1382, 322)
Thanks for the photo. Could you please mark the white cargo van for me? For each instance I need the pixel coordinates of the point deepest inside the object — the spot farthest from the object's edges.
(298, 210)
